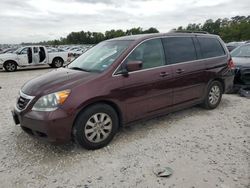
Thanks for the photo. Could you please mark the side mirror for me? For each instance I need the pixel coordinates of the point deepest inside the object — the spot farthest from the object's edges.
(134, 66)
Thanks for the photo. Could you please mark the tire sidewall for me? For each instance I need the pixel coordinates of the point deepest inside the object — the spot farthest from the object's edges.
(79, 126)
(207, 102)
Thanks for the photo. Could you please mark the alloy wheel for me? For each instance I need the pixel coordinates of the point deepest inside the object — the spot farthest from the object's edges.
(214, 95)
(58, 63)
(98, 127)
(10, 66)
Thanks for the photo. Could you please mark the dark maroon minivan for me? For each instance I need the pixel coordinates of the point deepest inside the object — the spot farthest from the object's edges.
(123, 80)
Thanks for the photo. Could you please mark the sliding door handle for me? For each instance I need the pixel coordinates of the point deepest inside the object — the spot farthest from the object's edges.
(179, 71)
(164, 74)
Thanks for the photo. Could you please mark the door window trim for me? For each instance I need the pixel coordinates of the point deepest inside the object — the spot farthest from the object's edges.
(116, 73)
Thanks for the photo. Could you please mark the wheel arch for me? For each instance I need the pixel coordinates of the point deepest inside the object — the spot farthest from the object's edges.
(107, 102)
(216, 79)
(57, 57)
(222, 83)
(10, 60)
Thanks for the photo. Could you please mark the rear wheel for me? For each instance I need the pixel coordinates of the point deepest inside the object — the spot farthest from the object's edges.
(57, 62)
(213, 96)
(10, 66)
(96, 126)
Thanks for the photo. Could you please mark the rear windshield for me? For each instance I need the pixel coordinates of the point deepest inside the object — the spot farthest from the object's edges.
(210, 47)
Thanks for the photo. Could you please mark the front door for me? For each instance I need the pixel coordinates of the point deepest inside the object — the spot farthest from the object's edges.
(23, 57)
(148, 91)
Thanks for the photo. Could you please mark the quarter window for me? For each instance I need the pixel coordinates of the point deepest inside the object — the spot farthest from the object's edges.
(179, 49)
(210, 47)
(151, 53)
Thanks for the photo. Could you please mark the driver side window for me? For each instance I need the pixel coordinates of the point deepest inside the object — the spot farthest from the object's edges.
(24, 51)
(150, 53)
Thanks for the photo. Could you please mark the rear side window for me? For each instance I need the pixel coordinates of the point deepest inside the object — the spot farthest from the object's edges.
(210, 47)
(35, 50)
(179, 49)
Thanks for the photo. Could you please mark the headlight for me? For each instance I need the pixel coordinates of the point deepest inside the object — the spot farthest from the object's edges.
(52, 101)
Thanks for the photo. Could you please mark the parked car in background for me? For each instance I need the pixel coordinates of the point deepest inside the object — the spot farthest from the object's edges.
(122, 80)
(32, 55)
(241, 58)
(233, 45)
(8, 50)
(51, 50)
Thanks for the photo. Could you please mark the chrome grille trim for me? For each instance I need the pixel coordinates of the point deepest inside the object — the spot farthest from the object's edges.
(25, 101)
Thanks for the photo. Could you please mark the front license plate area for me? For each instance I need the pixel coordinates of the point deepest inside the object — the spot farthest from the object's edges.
(15, 118)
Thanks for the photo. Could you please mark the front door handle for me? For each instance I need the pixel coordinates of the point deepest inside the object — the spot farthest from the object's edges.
(164, 74)
(179, 71)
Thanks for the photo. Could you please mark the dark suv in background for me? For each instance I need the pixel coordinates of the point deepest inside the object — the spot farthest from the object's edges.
(241, 58)
(123, 80)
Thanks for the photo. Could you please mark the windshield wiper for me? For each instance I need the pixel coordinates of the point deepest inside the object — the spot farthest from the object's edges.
(80, 69)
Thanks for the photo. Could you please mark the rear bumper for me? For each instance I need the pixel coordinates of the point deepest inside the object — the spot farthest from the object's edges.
(1, 66)
(53, 126)
(228, 83)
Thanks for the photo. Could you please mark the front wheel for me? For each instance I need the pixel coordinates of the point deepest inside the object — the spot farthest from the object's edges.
(96, 126)
(10, 66)
(213, 95)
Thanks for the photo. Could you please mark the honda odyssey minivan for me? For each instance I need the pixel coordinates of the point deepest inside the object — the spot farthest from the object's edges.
(122, 80)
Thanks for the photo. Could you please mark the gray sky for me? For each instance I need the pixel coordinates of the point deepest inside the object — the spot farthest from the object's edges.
(38, 20)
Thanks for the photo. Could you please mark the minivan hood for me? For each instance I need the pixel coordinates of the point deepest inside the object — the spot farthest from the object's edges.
(241, 61)
(57, 80)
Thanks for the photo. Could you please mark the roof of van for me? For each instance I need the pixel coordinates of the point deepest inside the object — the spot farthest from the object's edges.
(148, 36)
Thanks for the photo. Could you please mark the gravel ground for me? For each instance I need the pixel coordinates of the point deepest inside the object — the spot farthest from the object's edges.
(204, 148)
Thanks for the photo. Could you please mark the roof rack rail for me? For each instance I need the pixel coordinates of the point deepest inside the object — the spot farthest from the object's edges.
(188, 31)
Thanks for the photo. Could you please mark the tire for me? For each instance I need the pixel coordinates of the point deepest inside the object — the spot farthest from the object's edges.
(10, 66)
(57, 62)
(213, 95)
(89, 128)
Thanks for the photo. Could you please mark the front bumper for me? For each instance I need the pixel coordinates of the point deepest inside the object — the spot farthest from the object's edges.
(53, 126)
(1, 66)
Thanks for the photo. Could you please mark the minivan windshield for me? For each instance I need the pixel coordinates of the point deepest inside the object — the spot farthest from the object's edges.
(241, 51)
(101, 56)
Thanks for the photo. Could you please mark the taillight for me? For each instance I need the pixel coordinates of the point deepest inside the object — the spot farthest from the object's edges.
(230, 64)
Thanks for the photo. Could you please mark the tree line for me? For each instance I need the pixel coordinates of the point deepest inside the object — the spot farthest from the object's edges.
(88, 37)
(234, 29)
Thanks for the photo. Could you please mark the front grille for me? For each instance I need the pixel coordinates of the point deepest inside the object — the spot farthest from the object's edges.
(22, 103)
